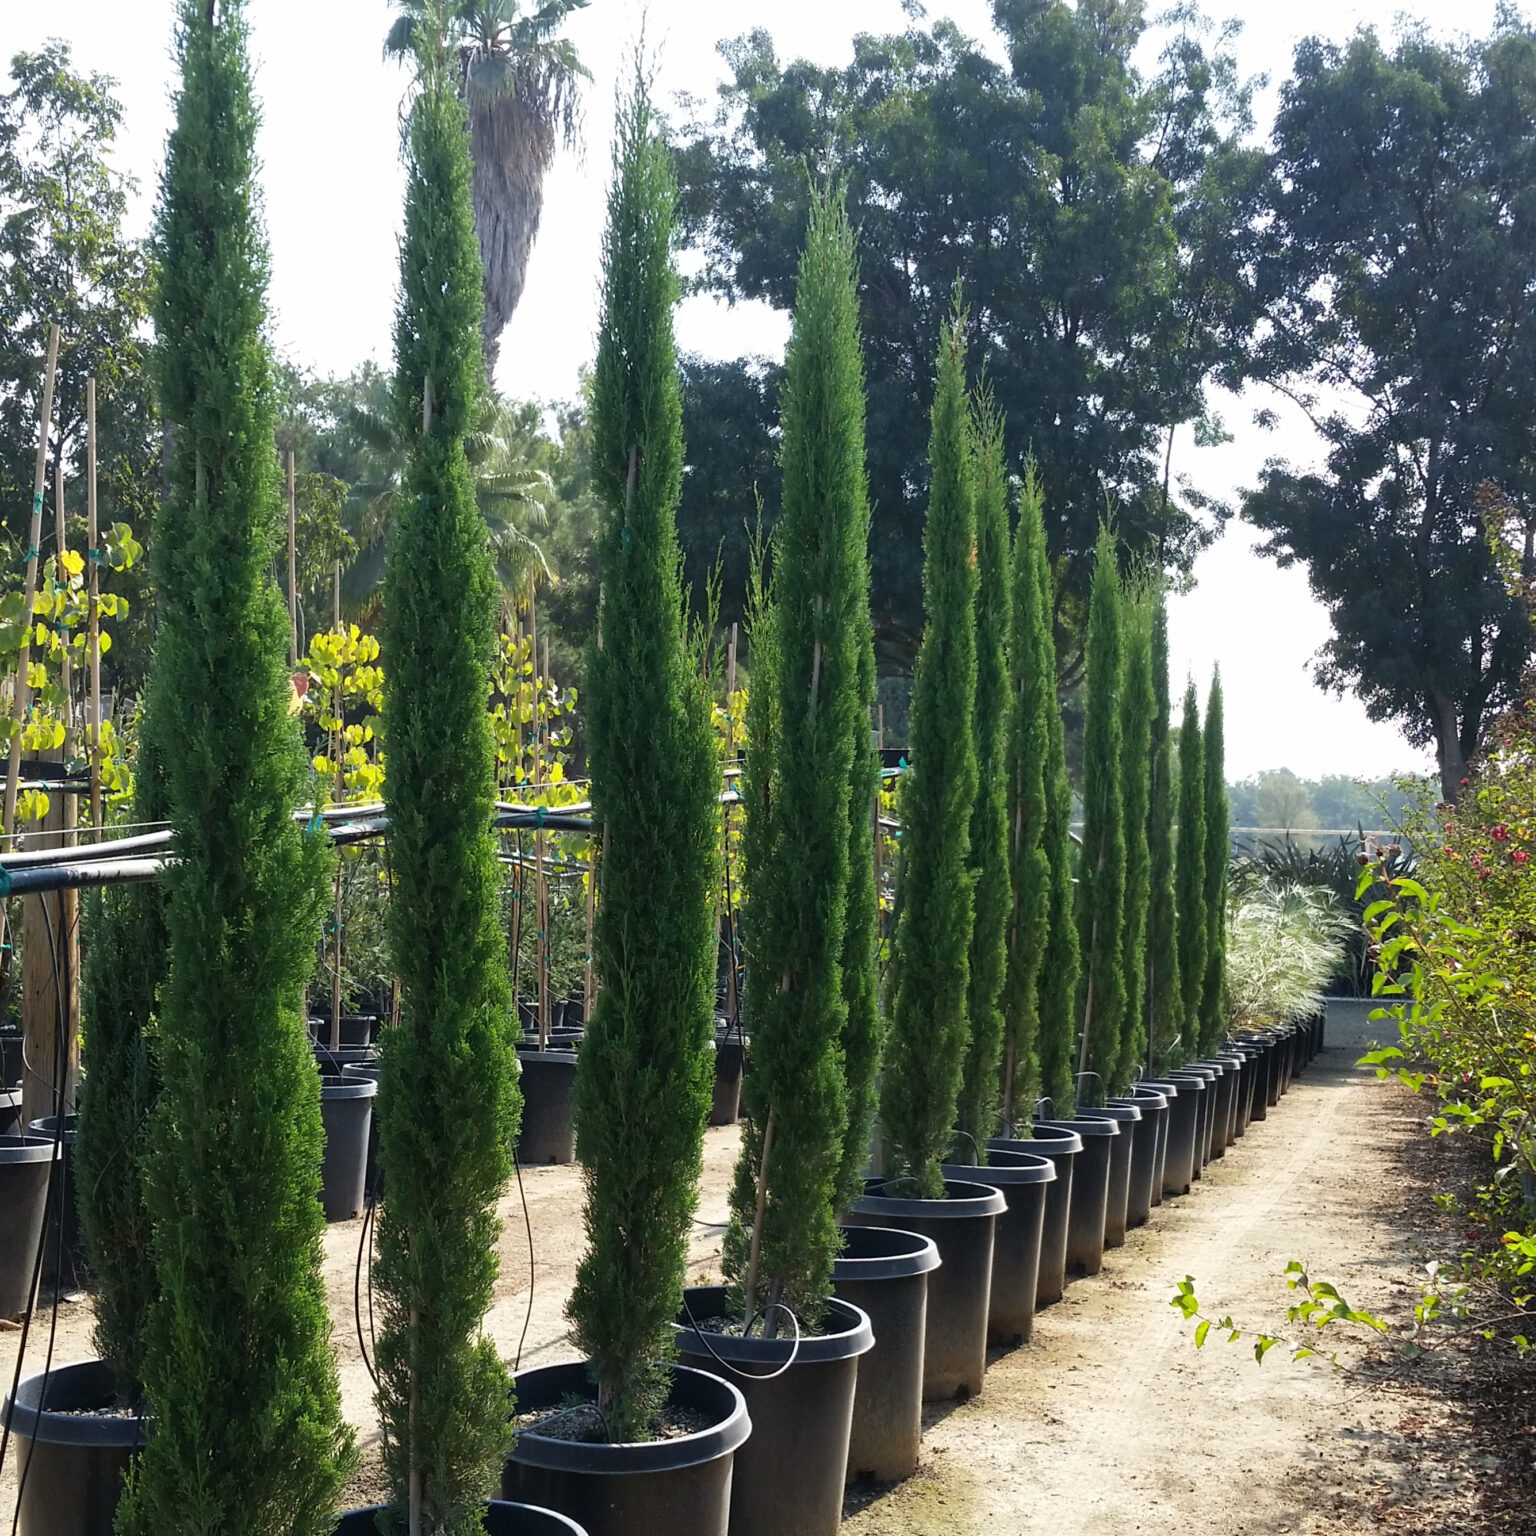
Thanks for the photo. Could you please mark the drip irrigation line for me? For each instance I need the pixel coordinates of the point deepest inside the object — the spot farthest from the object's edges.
(517, 1164)
(735, 1370)
(357, 1287)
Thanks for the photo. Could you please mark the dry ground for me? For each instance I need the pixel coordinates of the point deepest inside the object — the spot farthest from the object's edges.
(1110, 1421)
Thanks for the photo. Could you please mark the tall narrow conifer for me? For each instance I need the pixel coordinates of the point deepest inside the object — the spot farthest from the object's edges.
(989, 816)
(1189, 876)
(448, 1097)
(783, 1234)
(241, 1384)
(926, 1050)
(1101, 871)
(1213, 993)
(1138, 704)
(644, 1075)
(1163, 996)
(1032, 703)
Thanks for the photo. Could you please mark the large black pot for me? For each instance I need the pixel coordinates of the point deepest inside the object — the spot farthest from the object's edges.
(1090, 1193)
(10, 1111)
(1221, 1109)
(1063, 1149)
(730, 1057)
(676, 1487)
(1186, 1091)
(1207, 1103)
(1243, 1108)
(885, 1273)
(964, 1227)
(371, 1187)
(356, 1029)
(71, 1455)
(799, 1395)
(24, 1165)
(548, 1134)
(10, 1058)
(501, 1519)
(1236, 1066)
(334, 1063)
(1122, 1155)
(1261, 1066)
(63, 1268)
(1024, 1178)
(346, 1112)
(1146, 1152)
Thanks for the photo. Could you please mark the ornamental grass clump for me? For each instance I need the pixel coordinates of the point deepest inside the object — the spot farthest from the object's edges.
(1285, 943)
(807, 721)
(448, 1091)
(240, 1380)
(644, 1074)
(926, 1048)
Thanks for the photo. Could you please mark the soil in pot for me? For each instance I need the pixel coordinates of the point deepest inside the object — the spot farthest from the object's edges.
(963, 1225)
(679, 1486)
(885, 1273)
(1146, 1153)
(24, 1165)
(73, 1446)
(1024, 1179)
(1090, 1192)
(63, 1267)
(799, 1394)
(346, 1112)
(547, 1134)
(501, 1519)
(1122, 1155)
(1063, 1149)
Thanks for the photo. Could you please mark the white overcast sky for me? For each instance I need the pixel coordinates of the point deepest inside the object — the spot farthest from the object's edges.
(332, 192)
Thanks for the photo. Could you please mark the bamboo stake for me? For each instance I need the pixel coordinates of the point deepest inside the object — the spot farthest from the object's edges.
(514, 701)
(65, 679)
(93, 598)
(541, 900)
(730, 816)
(341, 793)
(39, 480)
(293, 573)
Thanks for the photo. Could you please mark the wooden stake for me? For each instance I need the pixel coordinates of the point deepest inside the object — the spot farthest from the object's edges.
(341, 794)
(293, 574)
(729, 819)
(541, 900)
(39, 480)
(93, 598)
(60, 575)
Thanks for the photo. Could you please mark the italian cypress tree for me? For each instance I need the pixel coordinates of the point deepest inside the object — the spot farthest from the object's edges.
(1138, 705)
(1213, 993)
(448, 1091)
(1189, 876)
(783, 1234)
(1162, 993)
(1101, 871)
(926, 1050)
(1032, 700)
(645, 1073)
(237, 1365)
(989, 815)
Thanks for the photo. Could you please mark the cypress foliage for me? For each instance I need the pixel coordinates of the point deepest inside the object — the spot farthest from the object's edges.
(1032, 696)
(801, 782)
(1162, 992)
(1138, 704)
(645, 1073)
(1101, 871)
(926, 1050)
(1189, 876)
(237, 1365)
(1213, 993)
(989, 815)
(448, 1094)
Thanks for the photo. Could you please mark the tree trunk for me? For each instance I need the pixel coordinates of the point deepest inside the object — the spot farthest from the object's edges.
(1453, 763)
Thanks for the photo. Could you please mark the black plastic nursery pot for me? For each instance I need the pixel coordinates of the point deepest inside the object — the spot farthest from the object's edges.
(1207, 1103)
(1063, 1148)
(1224, 1084)
(62, 1267)
(1122, 1152)
(1150, 1138)
(1024, 1178)
(963, 1225)
(730, 1058)
(501, 1519)
(10, 1057)
(371, 1188)
(356, 1029)
(10, 1111)
(1090, 1192)
(333, 1063)
(675, 1487)
(24, 1165)
(548, 1134)
(788, 1477)
(1187, 1090)
(885, 1273)
(1154, 1103)
(1236, 1066)
(1262, 1068)
(70, 1452)
(346, 1112)
(1243, 1108)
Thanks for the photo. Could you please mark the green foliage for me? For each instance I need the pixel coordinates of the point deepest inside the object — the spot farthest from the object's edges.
(448, 1090)
(1062, 963)
(1101, 870)
(644, 1077)
(237, 1365)
(800, 778)
(925, 1053)
(1138, 706)
(1218, 858)
(989, 816)
(1162, 991)
(1189, 878)
(1032, 700)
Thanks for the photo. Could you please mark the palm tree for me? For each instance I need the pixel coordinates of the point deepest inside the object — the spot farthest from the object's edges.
(521, 82)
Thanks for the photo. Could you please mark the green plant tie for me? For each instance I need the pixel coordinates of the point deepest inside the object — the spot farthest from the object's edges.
(538, 815)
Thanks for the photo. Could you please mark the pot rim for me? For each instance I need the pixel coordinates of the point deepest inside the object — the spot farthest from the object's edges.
(1130, 1114)
(28, 1148)
(48, 1125)
(551, 1058)
(335, 1086)
(92, 1380)
(855, 1337)
(918, 1255)
(562, 1522)
(964, 1200)
(1032, 1168)
(1148, 1100)
(1085, 1126)
(704, 1445)
(1062, 1143)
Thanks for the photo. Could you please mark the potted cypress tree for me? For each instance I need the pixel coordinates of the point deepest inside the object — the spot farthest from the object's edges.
(1213, 991)
(925, 1057)
(239, 1377)
(644, 1072)
(805, 723)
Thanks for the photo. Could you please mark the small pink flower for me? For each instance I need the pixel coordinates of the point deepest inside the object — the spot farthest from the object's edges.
(1520, 856)
(1500, 833)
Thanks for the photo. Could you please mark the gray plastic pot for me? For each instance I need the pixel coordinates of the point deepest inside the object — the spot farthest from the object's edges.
(885, 1273)
(547, 1134)
(1146, 1152)
(1090, 1192)
(1121, 1156)
(1062, 1148)
(346, 1111)
(24, 1165)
